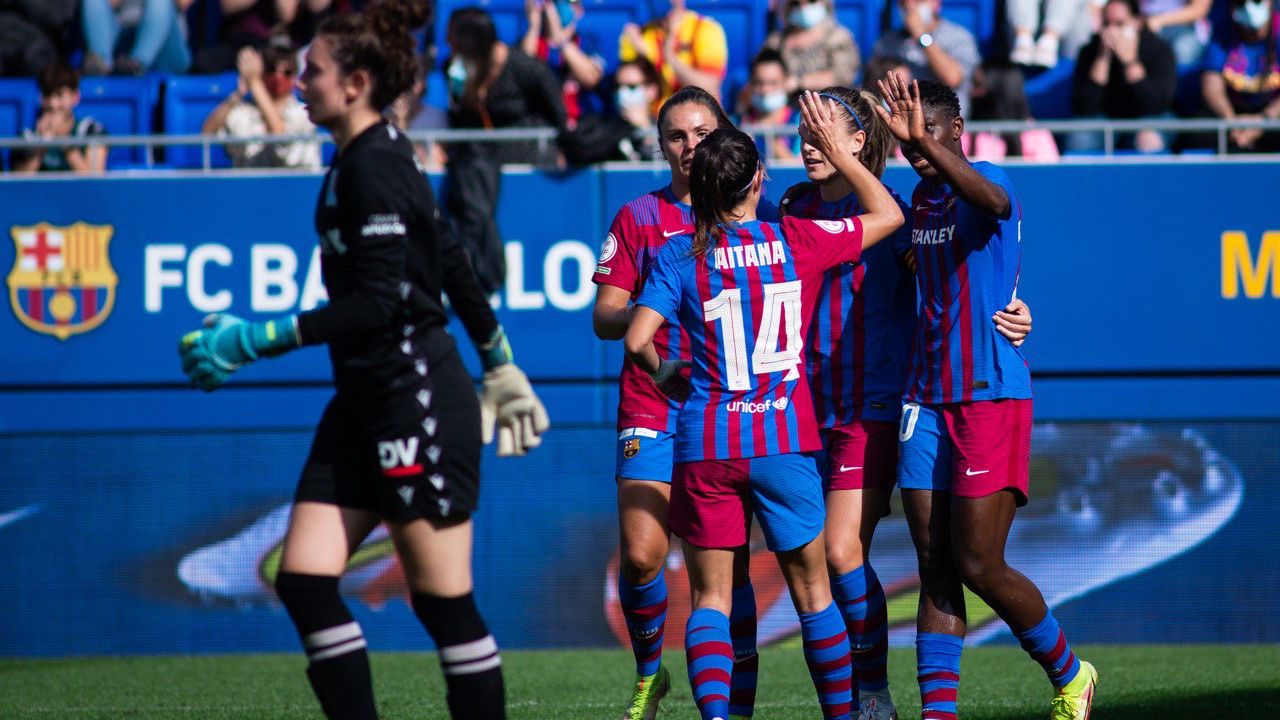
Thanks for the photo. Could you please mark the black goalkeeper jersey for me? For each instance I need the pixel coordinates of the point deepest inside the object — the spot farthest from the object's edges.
(386, 256)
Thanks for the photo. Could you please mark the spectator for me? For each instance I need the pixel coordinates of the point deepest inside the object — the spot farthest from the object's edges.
(1125, 72)
(268, 80)
(1061, 18)
(881, 65)
(819, 52)
(552, 38)
(1181, 23)
(410, 113)
(253, 23)
(491, 85)
(764, 102)
(32, 34)
(935, 48)
(687, 48)
(141, 36)
(1000, 94)
(59, 95)
(631, 133)
(1241, 78)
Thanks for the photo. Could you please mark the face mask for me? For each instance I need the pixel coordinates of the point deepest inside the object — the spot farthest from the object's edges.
(769, 102)
(566, 13)
(1254, 15)
(457, 74)
(925, 13)
(807, 15)
(630, 97)
(278, 84)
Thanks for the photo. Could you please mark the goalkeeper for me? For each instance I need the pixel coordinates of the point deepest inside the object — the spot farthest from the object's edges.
(400, 440)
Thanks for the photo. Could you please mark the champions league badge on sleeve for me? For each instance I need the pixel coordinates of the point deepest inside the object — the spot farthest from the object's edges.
(62, 282)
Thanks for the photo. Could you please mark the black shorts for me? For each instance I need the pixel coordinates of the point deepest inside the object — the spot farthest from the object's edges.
(409, 454)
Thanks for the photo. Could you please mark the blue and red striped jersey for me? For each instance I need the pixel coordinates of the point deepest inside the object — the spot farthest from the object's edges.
(967, 270)
(639, 230)
(859, 341)
(745, 306)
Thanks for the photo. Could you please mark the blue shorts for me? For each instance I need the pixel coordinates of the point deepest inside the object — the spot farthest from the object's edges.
(645, 454)
(924, 449)
(712, 501)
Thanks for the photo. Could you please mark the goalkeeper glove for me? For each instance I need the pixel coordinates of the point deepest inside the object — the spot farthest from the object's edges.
(670, 379)
(226, 343)
(507, 401)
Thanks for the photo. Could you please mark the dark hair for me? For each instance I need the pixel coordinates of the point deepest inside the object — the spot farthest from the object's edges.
(473, 36)
(938, 97)
(724, 166)
(645, 67)
(57, 76)
(767, 56)
(879, 141)
(698, 96)
(378, 41)
(1134, 8)
(276, 55)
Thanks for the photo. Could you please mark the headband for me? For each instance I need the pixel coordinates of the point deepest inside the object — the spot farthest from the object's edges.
(846, 107)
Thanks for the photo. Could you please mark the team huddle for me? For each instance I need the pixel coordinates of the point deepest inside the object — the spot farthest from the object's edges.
(785, 364)
(792, 380)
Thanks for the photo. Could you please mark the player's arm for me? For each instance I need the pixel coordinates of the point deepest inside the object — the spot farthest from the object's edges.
(612, 312)
(827, 133)
(657, 303)
(639, 339)
(907, 123)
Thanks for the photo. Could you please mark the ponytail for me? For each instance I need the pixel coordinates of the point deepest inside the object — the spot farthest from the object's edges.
(859, 109)
(378, 41)
(724, 168)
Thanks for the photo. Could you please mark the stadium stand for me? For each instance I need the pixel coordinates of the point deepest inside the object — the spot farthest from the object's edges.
(19, 102)
(124, 106)
(188, 100)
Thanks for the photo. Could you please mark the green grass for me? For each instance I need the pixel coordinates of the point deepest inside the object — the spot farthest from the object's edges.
(1138, 683)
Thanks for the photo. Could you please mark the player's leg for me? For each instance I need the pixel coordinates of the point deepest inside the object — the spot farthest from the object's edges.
(742, 631)
(924, 474)
(329, 520)
(708, 512)
(787, 497)
(863, 460)
(992, 442)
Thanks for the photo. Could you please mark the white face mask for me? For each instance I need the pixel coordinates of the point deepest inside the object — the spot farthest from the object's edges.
(630, 97)
(1255, 14)
(807, 15)
(769, 102)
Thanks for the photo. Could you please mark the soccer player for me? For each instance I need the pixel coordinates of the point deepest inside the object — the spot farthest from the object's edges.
(400, 441)
(856, 354)
(966, 423)
(741, 288)
(646, 416)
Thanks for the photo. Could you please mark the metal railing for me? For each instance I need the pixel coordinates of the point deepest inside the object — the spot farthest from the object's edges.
(545, 137)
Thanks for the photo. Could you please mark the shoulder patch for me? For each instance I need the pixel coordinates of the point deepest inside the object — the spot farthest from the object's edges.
(609, 249)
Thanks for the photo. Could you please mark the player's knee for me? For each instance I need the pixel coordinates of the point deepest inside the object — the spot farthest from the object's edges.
(642, 562)
(978, 571)
(843, 557)
(936, 565)
(297, 590)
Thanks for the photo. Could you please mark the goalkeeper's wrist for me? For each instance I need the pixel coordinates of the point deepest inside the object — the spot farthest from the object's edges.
(496, 351)
(275, 337)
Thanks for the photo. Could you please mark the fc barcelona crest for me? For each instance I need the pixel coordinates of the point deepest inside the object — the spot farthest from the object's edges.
(631, 448)
(62, 282)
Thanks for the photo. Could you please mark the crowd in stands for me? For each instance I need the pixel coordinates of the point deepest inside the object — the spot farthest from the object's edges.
(1114, 59)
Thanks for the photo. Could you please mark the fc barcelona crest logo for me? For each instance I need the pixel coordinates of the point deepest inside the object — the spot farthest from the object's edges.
(631, 448)
(62, 282)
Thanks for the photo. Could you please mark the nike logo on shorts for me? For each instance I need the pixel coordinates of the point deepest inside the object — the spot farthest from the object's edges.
(971, 472)
(847, 468)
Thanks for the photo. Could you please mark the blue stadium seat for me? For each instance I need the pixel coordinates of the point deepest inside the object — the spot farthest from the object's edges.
(1049, 92)
(19, 102)
(862, 17)
(188, 100)
(981, 17)
(124, 105)
(744, 23)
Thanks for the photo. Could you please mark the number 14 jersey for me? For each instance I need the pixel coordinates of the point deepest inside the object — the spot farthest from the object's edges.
(745, 305)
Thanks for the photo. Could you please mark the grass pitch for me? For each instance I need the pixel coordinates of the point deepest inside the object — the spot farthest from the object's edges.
(998, 683)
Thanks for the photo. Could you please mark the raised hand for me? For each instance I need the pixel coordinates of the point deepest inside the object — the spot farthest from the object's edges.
(822, 129)
(905, 117)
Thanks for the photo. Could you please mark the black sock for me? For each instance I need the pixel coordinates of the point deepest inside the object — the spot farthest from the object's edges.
(468, 656)
(339, 669)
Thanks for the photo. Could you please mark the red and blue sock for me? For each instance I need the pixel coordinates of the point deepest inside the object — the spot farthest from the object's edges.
(826, 650)
(645, 610)
(709, 652)
(861, 600)
(938, 671)
(746, 663)
(1048, 646)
